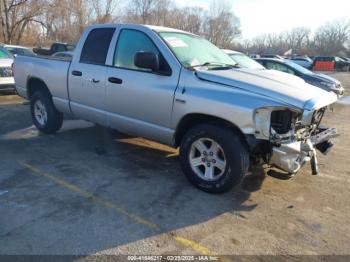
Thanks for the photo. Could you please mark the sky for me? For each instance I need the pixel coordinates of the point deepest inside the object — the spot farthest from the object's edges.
(273, 16)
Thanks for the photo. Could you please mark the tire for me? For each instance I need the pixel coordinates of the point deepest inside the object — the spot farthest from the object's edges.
(41, 103)
(232, 151)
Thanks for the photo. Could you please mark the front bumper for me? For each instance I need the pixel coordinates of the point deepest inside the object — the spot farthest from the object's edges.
(290, 157)
(7, 88)
(7, 84)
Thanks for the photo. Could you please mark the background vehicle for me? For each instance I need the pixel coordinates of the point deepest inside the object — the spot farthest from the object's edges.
(340, 64)
(320, 80)
(55, 47)
(179, 89)
(271, 56)
(345, 58)
(304, 61)
(243, 60)
(7, 82)
(65, 55)
(254, 56)
(18, 50)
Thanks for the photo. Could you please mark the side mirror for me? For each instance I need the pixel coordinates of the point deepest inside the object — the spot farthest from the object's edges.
(147, 60)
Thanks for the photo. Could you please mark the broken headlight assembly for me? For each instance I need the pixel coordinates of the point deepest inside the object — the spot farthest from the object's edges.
(277, 125)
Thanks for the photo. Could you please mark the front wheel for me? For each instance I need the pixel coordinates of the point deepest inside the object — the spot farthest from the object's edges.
(44, 113)
(214, 158)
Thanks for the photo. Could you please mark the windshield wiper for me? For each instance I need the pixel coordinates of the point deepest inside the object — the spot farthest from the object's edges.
(216, 64)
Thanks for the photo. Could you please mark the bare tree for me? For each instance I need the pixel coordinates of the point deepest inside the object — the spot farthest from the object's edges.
(188, 19)
(221, 26)
(298, 38)
(64, 20)
(268, 44)
(15, 15)
(104, 10)
(192, 20)
(140, 11)
(160, 12)
(332, 37)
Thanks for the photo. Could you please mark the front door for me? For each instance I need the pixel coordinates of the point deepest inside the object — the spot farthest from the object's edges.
(139, 101)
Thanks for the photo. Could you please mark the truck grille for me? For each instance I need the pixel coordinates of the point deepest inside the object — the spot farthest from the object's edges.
(6, 72)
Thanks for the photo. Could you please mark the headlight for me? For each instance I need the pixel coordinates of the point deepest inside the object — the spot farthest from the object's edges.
(329, 85)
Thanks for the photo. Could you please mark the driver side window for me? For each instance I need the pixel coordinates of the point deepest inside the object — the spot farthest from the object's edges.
(131, 42)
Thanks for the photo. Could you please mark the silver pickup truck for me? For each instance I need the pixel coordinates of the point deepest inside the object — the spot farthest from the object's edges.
(179, 89)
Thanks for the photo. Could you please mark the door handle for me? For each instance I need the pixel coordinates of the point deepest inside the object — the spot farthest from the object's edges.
(77, 73)
(93, 80)
(115, 80)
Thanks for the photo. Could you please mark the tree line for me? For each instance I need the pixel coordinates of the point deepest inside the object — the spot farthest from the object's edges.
(40, 22)
(332, 38)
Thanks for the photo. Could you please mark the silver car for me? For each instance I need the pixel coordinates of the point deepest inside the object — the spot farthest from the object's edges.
(7, 82)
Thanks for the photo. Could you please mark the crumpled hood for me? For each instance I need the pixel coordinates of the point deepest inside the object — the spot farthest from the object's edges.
(279, 86)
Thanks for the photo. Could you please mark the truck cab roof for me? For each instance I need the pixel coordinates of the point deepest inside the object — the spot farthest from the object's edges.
(141, 26)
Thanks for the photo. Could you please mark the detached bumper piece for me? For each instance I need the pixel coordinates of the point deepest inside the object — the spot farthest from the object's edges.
(290, 157)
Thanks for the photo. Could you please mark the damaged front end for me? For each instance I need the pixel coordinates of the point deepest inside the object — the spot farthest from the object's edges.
(293, 136)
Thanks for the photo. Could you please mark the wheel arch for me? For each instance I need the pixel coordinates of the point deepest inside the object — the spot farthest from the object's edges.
(191, 120)
(34, 84)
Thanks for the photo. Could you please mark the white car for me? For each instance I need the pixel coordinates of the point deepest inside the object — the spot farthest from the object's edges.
(19, 50)
(7, 82)
(243, 60)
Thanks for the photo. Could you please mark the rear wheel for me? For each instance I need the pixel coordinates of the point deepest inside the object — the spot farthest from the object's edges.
(44, 114)
(213, 158)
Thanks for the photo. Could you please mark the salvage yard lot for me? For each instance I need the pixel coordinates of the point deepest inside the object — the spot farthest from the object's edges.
(88, 190)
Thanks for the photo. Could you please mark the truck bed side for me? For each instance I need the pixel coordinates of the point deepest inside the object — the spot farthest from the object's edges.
(53, 72)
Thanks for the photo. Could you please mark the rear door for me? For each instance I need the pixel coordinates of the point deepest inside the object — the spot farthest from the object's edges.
(87, 75)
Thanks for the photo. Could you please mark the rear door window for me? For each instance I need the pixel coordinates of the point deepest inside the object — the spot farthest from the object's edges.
(96, 46)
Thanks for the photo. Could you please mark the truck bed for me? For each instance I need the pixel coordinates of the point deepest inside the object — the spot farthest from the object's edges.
(53, 71)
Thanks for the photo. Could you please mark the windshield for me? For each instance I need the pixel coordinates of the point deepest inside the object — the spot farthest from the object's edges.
(297, 67)
(19, 51)
(192, 50)
(5, 54)
(245, 61)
